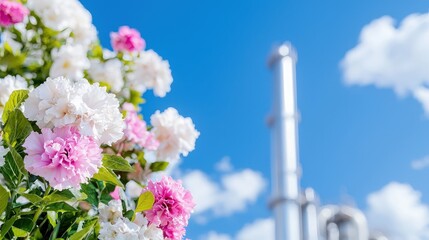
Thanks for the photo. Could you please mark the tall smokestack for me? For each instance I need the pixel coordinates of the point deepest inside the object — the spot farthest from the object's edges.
(285, 161)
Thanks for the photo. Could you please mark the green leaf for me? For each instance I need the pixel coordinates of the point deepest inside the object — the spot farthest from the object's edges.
(145, 201)
(33, 198)
(4, 198)
(7, 225)
(22, 227)
(9, 58)
(52, 217)
(158, 166)
(142, 160)
(16, 129)
(60, 207)
(19, 232)
(129, 214)
(91, 191)
(18, 160)
(13, 169)
(61, 196)
(15, 100)
(117, 163)
(107, 175)
(136, 97)
(83, 232)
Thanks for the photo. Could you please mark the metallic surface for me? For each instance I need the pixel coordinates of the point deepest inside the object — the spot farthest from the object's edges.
(350, 223)
(284, 125)
(309, 215)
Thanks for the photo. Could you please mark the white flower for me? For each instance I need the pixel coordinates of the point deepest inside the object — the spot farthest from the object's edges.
(122, 229)
(60, 101)
(66, 16)
(7, 86)
(133, 190)
(110, 212)
(69, 61)
(150, 72)
(109, 72)
(176, 134)
(153, 233)
(3, 152)
(113, 226)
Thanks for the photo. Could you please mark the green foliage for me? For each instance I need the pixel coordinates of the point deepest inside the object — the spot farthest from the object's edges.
(59, 196)
(4, 199)
(9, 58)
(145, 201)
(158, 166)
(16, 129)
(84, 231)
(107, 175)
(135, 98)
(15, 100)
(13, 170)
(117, 163)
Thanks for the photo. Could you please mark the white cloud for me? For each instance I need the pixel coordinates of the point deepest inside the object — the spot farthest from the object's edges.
(392, 57)
(397, 211)
(259, 229)
(234, 193)
(216, 236)
(420, 163)
(204, 190)
(224, 165)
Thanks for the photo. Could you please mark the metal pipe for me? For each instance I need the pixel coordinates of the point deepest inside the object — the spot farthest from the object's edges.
(351, 222)
(309, 215)
(284, 124)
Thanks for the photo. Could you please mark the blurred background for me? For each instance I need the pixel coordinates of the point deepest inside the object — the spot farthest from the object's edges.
(362, 78)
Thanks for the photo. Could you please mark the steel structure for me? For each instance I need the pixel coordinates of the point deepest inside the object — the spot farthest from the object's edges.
(297, 214)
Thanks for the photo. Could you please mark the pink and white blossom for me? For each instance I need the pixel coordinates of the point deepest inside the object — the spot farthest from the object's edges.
(135, 131)
(127, 39)
(12, 12)
(60, 102)
(172, 208)
(64, 157)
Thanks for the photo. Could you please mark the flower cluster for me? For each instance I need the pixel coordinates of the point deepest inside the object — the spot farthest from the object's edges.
(11, 13)
(63, 157)
(127, 39)
(115, 226)
(150, 72)
(175, 133)
(60, 102)
(135, 132)
(76, 155)
(172, 208)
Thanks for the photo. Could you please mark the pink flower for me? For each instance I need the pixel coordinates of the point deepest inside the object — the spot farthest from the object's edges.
(172, 207)
(136, 130)
(11, 13)
(127, 39)
(63, 157)
(115, 193)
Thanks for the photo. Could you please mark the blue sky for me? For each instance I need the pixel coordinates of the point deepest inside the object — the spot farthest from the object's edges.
(353, 140)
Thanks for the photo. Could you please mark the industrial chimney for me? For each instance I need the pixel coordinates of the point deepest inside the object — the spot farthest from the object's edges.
(285, 202)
